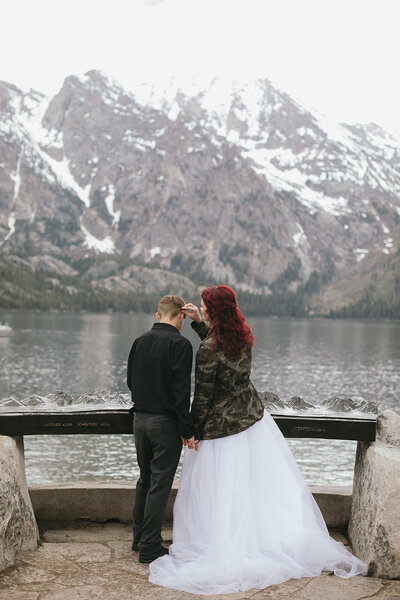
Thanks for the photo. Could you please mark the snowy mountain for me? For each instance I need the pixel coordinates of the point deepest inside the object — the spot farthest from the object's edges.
(236, 183)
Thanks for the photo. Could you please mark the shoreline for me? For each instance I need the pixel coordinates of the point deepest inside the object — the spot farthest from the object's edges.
(249, 315)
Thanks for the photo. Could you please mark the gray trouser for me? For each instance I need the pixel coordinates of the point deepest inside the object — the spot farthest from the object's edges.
(158, 448)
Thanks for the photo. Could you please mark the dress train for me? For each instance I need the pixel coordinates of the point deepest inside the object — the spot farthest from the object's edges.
(245, 518)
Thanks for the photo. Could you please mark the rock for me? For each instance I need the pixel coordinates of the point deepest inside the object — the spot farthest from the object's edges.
(20, 262)
(271, 400)
(298, 403)
(18, 529)
(60, 398)
(339, 404)
(101, 270)
(34, 400)
(343, 404)
(50, 263)
(10, 401)
(374, 527)
(388, 428)
(150, 281)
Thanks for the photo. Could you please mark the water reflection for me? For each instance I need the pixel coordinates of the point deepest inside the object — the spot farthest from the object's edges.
(314, 359)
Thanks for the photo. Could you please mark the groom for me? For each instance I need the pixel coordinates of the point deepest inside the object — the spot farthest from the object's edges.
(159, 370)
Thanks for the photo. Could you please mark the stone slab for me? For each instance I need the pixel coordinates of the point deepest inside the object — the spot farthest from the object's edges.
(334, 502)
(84, 531)
(101, 501)
(98, 501)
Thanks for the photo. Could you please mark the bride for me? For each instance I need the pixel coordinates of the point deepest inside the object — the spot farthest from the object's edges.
(243, 516)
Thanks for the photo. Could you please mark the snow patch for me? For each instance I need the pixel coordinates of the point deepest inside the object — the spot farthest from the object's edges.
(11, 226)
(360, 253)
(17, 177)
(32, 122)
(66, 179)
(105, 246)
(303, 131)
(287, 159)
(160, 132)
(174, 111)
(154, 251)
(385, 229)
(293, 180)
(138, 142)
(109, 200)
(233, 136)
(143, 144)
(83, 78)
(299, 237)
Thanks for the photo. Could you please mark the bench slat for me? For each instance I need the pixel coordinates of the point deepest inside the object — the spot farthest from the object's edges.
(121, 421)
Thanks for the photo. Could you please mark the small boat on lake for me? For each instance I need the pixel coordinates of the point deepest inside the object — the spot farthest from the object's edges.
(5, 329)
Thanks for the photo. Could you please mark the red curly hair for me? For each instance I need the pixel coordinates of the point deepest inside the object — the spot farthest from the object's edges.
(228, 325)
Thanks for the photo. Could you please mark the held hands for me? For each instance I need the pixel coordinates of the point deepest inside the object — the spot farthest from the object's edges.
(191, 443)
(192, 311)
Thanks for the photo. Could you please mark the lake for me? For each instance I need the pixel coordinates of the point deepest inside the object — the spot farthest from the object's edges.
(81, 352)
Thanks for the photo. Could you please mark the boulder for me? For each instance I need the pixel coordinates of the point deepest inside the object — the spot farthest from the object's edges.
(388, 428)
(374, 527)
(18, 528)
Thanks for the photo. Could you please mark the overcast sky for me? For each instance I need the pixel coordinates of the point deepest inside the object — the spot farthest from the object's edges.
(341, 56)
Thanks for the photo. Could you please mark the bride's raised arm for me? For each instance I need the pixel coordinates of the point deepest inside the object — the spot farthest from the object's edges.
(200, 327)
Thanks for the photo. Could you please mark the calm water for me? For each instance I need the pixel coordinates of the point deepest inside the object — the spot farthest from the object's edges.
(84, 352)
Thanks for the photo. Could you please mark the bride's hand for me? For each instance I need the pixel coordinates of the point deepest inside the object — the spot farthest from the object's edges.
(192, 311)
(191, 443)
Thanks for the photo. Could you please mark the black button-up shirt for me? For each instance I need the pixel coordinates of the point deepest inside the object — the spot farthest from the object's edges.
(159, 374)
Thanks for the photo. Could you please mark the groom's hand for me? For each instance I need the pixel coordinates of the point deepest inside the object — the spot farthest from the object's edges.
(191, 443)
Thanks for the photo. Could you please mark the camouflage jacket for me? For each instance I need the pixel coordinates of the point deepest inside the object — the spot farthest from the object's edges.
(225, 401)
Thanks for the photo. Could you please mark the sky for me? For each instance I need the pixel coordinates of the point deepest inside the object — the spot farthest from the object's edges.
(340, 56)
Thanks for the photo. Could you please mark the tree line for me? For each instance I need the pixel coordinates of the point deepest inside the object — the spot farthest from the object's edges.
(21, 288)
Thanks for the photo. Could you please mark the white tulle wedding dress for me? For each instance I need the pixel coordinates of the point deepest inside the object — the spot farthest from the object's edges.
(245, 518)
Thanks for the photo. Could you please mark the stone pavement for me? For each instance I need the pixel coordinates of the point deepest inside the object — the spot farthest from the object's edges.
(94, 561)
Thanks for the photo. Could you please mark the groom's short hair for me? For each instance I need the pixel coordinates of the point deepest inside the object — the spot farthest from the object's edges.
(170, 306)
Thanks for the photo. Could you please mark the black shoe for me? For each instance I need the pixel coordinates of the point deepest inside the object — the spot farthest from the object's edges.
(135, 546)
(148, 558)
